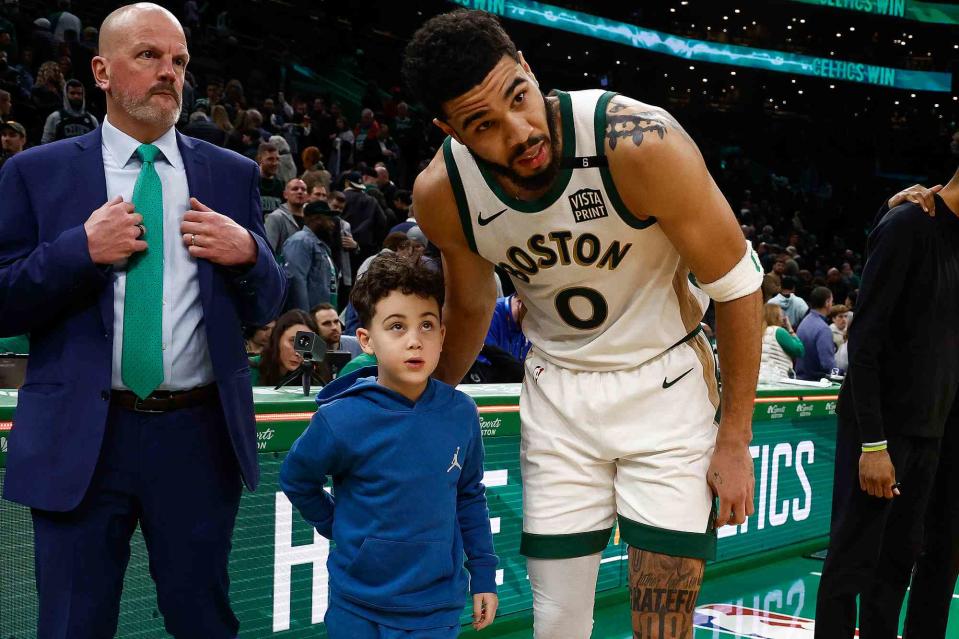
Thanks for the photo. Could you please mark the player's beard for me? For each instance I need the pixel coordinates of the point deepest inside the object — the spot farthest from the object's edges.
(140, 108)
(547, 173)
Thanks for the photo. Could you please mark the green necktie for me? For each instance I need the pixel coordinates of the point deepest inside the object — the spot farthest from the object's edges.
(142, 363)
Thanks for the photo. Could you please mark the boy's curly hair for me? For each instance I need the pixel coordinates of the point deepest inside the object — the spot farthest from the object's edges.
(403, 271)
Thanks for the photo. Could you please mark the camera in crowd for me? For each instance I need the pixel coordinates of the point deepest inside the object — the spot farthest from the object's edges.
(310, 346)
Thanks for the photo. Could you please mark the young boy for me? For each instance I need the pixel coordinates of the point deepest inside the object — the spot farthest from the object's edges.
(406, 457)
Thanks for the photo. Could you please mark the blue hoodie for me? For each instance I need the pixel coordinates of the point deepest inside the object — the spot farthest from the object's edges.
(409, 499)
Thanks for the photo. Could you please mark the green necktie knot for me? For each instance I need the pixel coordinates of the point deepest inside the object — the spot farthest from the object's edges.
(147, 152)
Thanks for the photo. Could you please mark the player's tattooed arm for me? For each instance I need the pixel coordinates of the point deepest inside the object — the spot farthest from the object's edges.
(663, 592)
(634, 120)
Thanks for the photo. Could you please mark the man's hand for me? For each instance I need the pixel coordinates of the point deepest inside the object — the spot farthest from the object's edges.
(113, 233)
(217, 238)
(349, 243)
(484, 609)
(877, 476)
(730, 475)
(917, 194)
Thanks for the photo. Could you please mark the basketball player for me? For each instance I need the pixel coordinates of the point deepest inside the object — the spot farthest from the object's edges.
(605, 216)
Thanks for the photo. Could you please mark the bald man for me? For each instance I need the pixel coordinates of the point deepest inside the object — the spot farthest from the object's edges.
(132, 255)
(287, 219)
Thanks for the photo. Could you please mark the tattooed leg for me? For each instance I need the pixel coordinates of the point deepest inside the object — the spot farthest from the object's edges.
(662, 594)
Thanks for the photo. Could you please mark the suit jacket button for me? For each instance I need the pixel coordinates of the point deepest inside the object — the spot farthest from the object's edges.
(105, 396)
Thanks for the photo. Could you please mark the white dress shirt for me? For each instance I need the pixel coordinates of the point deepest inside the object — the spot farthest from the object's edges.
(186, 355)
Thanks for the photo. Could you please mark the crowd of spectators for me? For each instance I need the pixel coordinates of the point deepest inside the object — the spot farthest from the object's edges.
(336, 181)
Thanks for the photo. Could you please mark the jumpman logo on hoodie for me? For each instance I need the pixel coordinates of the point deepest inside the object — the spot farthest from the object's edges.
(456, 461)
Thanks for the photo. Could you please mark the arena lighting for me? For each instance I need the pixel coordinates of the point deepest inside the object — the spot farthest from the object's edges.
(551, 16)
(937, 12)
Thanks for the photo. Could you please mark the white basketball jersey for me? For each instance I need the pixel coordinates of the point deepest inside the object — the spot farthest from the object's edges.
(604, 290)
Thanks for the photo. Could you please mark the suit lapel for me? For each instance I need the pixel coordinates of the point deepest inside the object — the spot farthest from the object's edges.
(200, 184)
(92, 196)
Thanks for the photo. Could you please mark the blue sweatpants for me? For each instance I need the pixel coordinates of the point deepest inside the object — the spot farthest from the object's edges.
(343, 624)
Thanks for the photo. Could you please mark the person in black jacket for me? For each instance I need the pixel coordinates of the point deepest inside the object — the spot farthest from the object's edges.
(896, 419)
(934, 576)
(203, 128)
(367, 219)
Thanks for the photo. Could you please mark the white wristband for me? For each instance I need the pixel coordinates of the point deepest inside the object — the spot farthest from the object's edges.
(743, 279)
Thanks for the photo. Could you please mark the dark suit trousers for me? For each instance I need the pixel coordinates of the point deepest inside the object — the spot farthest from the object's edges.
(934, 580)
(174, 474)
(873, 542)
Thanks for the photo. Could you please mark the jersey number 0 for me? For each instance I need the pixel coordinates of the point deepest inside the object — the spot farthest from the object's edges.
(600, 310)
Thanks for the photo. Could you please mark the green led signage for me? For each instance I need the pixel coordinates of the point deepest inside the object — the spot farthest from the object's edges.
(908, 9)
(554, 17)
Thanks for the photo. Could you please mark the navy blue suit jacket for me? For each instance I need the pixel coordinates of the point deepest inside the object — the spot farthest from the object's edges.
(50, 288)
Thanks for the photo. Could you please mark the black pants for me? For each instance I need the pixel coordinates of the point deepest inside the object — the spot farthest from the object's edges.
(873, 542)
(934, 580)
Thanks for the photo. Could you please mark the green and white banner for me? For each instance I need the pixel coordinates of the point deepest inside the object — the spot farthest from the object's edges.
(631, 35)
(937, 12)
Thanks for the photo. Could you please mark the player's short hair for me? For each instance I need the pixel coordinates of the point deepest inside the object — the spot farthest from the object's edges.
(389, 272)
(451, 54)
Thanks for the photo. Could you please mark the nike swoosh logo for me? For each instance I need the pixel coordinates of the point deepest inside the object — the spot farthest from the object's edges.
(667, 384)
(484, 221)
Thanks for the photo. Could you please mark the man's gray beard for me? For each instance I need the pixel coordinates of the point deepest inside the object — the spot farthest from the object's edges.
(140, 109)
